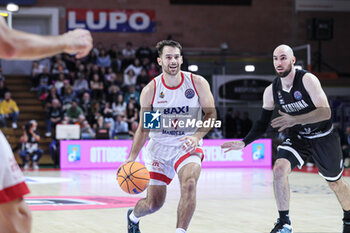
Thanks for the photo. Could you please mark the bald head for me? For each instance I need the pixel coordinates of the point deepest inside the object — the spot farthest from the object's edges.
(283, 60)
(283, 49)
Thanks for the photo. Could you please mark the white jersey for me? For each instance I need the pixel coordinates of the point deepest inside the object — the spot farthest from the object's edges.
(179, 107)
(12, 185)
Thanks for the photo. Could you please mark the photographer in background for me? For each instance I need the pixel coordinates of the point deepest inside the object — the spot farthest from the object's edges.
(30, 150)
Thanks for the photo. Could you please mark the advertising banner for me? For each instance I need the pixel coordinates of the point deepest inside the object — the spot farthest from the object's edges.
(109, 20)
(110, 154)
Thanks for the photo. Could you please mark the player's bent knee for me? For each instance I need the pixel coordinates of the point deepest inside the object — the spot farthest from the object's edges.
(189, 185)
(19, 217)
(155, 205)
(335, 185)
(280, 170)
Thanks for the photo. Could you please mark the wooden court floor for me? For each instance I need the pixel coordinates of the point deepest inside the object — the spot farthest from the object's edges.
(228, 201)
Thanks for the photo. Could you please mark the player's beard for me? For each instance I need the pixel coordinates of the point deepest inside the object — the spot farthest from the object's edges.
(172, 73)
(284, 73)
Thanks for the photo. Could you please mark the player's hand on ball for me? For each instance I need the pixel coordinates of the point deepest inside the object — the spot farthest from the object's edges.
(126, 162)
(233, 145)
(190, 143)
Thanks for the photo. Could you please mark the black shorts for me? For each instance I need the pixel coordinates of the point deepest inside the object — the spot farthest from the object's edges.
(325, 151)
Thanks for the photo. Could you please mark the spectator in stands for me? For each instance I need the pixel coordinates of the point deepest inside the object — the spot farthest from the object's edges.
(119, 106)
(80, 85)
(9, 109)
(67, 97)
(153, 71)
(53, 94)
(108, 113)
(108, 74)
(45, 80)
(86, 131)
(142, 80)
(128, 55)
(30, 145)
(69, 60)
(116, 58)
(85, 104)
(93, 69)
(112, 80)
(136, 67)
(59, 66)
(98, 47)
(129, 79)
(92, 58)
(96, 86)
(54, 115)
(59, 83)
(120, 126)
(132, 114)
(36, 71)
(102, 128)
(113, 93)
(74, 112)
(3, 88)
(144, 52)
(246, 125)
(103, 59)
(113, 51)
(132, 93)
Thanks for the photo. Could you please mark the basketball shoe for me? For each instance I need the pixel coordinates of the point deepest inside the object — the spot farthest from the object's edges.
(132, 227)
(346, 227)
(281, 227)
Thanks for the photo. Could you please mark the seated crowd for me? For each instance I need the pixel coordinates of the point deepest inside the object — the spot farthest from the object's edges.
(101, 92)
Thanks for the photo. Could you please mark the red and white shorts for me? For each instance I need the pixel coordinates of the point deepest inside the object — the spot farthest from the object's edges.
(12, 185)
(164, 161)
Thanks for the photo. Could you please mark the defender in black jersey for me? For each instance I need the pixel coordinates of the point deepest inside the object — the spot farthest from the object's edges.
(304, 110)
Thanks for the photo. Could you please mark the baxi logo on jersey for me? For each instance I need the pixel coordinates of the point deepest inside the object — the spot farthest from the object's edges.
(258, 151)
(152, 120)
(73, 153)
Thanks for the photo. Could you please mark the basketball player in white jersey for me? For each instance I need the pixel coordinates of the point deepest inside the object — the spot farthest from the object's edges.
(172, 150)
(15, 216)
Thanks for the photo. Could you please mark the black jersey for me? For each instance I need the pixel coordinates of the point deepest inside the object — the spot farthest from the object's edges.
(296, 102)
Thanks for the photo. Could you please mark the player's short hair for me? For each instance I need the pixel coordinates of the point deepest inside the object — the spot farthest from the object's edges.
(160, 45)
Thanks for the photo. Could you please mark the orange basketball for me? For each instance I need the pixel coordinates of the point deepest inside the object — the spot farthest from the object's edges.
(133, 178)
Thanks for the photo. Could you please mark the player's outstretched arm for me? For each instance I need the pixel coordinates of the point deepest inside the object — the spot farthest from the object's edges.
(259, 127)
(16, 44)
(141, 134)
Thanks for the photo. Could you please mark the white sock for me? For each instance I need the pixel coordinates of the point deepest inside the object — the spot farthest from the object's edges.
(133, 218)
(180, 230)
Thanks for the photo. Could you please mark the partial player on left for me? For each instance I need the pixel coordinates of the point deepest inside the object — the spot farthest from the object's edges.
(15, 216)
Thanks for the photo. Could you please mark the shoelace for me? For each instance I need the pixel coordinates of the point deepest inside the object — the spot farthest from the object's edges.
(134, 227)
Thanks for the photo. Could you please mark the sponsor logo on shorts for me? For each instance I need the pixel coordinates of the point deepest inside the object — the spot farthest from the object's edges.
(287, 142)
(73, 153)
